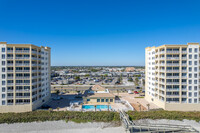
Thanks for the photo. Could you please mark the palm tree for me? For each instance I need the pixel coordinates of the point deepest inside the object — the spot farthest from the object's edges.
(95, 106)
(117, 92)
(108, 106)
(148, 105)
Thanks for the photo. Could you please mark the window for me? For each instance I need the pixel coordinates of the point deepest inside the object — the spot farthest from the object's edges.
(102, 100)
(190, 62)
(190, 56)
(195, 94)
(3, 96)
(190, 69)
(190, 81)
(3, 69)
(98, 100)
(195, 75)
(111, 100)
(3, 56)
(195, 100)
(3, 63)
(195, 56)
(195, 88)
(3, 49)
(190, 94)
(190, 75)
(3, 82)
(106, 100)
(3, 76)
(190, 100)
(88, 100)
(3, 102)
(195, 63)
(195, 50)
(195, 69)
(190, 88)
(195, 81)
(190, 50)
(3, 89)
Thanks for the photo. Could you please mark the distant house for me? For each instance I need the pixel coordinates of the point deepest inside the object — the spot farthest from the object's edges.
(98, 95)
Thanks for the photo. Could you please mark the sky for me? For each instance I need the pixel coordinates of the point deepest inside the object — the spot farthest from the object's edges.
(99, 32)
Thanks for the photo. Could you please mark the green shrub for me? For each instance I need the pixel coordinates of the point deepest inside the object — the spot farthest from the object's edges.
(103, 116)
(161, 114)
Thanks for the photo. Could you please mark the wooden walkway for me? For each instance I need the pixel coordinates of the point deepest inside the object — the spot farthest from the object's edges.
(154, 128)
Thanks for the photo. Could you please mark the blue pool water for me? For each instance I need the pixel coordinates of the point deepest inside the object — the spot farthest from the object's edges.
(103, 107)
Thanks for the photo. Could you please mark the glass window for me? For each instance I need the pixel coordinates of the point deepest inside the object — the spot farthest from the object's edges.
(190, 94)
(3, 89)
(190, 62)
(195, 56)
(3, 95)
(88, 100)
(3, 56)
(106, 100)
(195, 94)
(195, 75)
(102, 100)
(190, 69)
(195, 63)
(195, 100)
(190, 75)
(195, 88)
(195, 81)
(3, 69)
(98, 100)
(190, 88)
(190, 50)
(3, 63)
(195, 50)
(3, 49)
(195, 69)
(190, 100)
(111, 100)
(190, 81)
(3, 82)
(190, 56)
(3, 102)
(3, 76)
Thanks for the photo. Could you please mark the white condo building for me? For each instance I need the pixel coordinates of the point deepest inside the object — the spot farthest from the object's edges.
(24, 77)
(172, 76)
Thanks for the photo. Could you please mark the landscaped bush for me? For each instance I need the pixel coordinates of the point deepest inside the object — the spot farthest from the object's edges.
(103, 116)
(171, 115)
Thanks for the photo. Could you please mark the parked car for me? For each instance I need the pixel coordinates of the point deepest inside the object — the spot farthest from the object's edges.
(130, 92)
(135, 92)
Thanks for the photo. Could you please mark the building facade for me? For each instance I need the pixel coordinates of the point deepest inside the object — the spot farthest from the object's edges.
(24, 77)
(172, 76)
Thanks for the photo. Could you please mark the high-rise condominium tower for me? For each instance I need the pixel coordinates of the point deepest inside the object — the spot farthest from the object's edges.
(172, 76)
(24, 77)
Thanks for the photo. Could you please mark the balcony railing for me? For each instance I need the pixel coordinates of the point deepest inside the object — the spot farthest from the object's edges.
(9, 51)
(168, 95)
(22, 64)
(172, 77)
(22, 96)
(172, 64)
(172, 89)
(9, 71)
(172, 83)
(22, 51)
(10, 84)
(9, 64)
(22, 70)
(22, 58)
(173, 52)
(22, 83)
(24, 77)
(172, 70)
(172, 58)
(9, 58)
(184, 58)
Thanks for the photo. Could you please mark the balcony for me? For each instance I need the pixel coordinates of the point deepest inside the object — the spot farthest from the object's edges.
(173, 58)
(172, 95)
(172, 89)
(10, 77)
(172, 83)
(23, 90)
(22, 64)
(22, 97)
(184, 64)
(172, 70)
(172, 52)
(22, 51)
(9, 71)
(184, 52)
(22, 71)
(9, 58)
(22, 58)
(183, 77)
(22, 83)
(172, 77)
(184, 58)
(24, 77)
(34, 58)
(172, 101)
(10, 84)
(9, 64)
(9, 51)
(34, 52)
(9, 97)
(172, 64)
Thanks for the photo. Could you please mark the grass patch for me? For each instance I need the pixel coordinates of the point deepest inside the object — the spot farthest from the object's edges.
(138, 97)
(161, 114)
(103, 116)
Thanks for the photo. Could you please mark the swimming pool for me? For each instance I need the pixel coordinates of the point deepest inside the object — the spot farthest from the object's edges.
(103, 107)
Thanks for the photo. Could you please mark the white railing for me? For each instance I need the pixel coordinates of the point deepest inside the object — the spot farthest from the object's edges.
(173, 52)
(22, 70)
(184, 58)
(10, 84)
(172, 64)
(173, 89)
(10, 64)
(22, 64)
(9, 77)
(22, 58)
(172, 58)
(172, 70)
(22, 83)
(9, 51)
(172, 83)
(22, 51)
(9, 58)
(174, 77)
(23, 77)
(9, 70)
